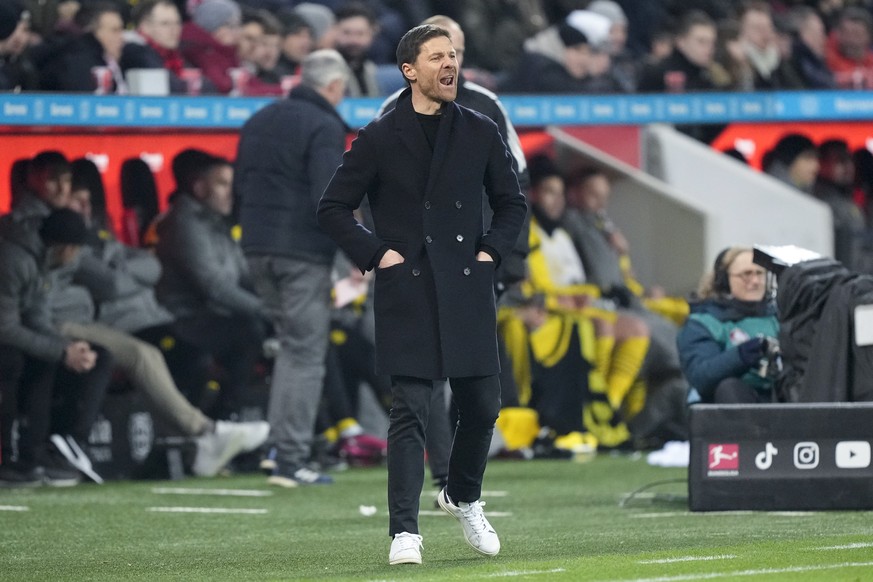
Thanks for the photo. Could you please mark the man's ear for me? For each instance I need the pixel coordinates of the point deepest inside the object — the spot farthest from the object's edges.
(408, 72)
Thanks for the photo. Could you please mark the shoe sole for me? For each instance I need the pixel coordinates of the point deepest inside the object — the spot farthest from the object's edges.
(445, 507)
(282, 482)
(397, 561)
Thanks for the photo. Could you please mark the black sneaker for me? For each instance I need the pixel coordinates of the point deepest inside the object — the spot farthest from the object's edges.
(15, 475)
(56, 471)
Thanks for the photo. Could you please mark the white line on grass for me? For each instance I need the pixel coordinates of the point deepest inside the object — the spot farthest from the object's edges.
(206, 510)
(432, 512)
(525, 573)
(855, 546)
(14, 508)
(720, 514)
(204, 491)
(688, 559)
(760, 572)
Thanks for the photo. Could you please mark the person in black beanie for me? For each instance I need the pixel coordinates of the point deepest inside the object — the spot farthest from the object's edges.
(793, 160)
(36, 361)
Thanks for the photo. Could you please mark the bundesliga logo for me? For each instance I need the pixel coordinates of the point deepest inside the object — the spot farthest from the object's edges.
(723, 460)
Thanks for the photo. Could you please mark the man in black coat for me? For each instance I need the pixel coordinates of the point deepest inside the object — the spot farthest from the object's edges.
(287, 153)
(423, 166)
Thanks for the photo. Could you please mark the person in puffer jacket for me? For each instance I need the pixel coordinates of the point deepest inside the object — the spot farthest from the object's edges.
(727, 347)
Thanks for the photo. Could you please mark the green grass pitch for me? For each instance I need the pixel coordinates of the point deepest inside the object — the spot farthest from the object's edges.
(557, 520)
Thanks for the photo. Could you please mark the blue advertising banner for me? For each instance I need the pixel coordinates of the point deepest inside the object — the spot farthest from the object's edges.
(51, 109)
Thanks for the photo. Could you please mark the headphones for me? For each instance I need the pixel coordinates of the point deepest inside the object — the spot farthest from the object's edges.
(720, 281)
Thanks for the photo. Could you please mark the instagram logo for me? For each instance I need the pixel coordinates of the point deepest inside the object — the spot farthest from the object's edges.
(806, 455)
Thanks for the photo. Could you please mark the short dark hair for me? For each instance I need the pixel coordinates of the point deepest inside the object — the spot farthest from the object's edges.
(49, 161)
(188, 165)
(89, 14)
(694, 18)
(355, 9)
(143, 10)
(63, 227)
(410, 45)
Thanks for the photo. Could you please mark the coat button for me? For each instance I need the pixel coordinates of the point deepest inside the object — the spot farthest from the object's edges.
(416, 272)
(460, 238)
(428, 239)
(458, 204)
(427, 205)
(466, 270)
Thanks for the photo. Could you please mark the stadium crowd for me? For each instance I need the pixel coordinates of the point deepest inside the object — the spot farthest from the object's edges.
(254, 47)
(182, 308)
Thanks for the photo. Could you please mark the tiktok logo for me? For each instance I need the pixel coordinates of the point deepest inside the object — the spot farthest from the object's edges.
(764, 459)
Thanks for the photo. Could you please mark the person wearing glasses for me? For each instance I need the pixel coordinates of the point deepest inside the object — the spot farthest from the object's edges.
(727, 346)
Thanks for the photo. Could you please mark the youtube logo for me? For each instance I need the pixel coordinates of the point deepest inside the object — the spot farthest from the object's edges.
(853, 454)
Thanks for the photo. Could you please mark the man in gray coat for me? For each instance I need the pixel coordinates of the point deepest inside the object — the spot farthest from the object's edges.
(287, 153)
(423, 166)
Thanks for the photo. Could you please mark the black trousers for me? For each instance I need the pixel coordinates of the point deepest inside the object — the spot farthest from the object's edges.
(735, 391)
(235, 343)
(478, 403)
(47, 397)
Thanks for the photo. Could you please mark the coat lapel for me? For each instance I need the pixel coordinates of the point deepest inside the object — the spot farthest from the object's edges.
(412, 136)
(441, 147)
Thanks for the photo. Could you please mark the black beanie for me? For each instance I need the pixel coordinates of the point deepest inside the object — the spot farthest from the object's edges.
(64, 226)
(790, 147)
(10, 15)
(570, 35)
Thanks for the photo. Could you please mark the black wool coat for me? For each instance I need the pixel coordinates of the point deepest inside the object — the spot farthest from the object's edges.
(435, 313)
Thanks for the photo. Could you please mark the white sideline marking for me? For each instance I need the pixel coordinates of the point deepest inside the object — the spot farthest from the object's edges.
(432, 512)
(688, 559)
(525, 573)
(14, 508)
(205, 510)
(484, 494)
(204, 491)
(854, 546)
(721, 513)
(762, 571)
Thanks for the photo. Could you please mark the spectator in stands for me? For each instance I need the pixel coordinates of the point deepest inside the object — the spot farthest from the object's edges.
(730, 70)
(356, 28)
(728, 341)
(760, 43)
(623, 67)
(794, 161)
(297, 42)
(287, 154)
(687, 69)
(835, 186)
(155, 43)
(266, 59)
(250, 36)
(809, 49)
(17, 71)
(37, 364)
(498, 31)
(569, 73)
(210, 40)
(132, 325)
(88, 62)
(204, 280)
(322, 21)
(849, 54)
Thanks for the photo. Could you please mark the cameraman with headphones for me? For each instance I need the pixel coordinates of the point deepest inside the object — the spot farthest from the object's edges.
(727, 346)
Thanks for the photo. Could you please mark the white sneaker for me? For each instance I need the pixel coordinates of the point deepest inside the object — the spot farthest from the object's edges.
(229, 439)
(405, 549)
(257, 434)
(477, 531)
